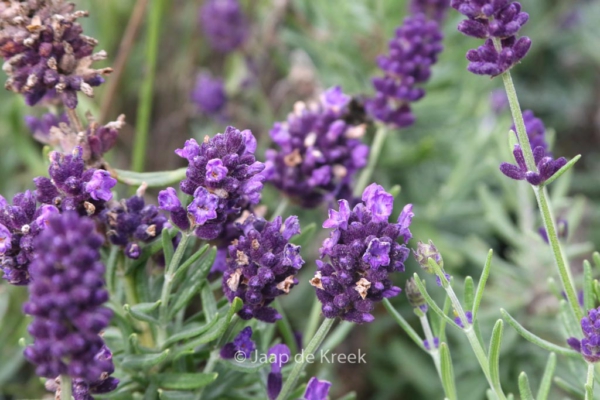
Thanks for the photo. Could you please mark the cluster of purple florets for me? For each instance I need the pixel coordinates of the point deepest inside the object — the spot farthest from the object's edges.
(589, 346)
(209, 95)
(224, 178)
(130, 222)
(319, 152)
(72, 187)
(65, 300)
(493, 19)
(20, 223)
(412, 52)
(45, 52)
(362, 251)
(224, 24)
(433, 9)
(262, 265)
(546, 166)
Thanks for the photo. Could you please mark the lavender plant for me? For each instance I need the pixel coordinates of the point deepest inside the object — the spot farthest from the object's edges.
(184, 283)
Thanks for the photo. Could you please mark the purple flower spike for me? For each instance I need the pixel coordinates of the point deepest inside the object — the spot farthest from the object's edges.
(45, 58)
(412, 52)
(209, 95)
(362, 253)
(100, 184)
(20, 223)
(261, 265)
(493, 19)
(278, 355)
(242, 344)
(66, 301)
(319, 152)
(589, 346)
(224, 178)
(224, 24)
(546, 166)
(316, 389)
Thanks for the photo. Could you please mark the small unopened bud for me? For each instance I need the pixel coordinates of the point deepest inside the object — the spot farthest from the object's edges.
(415, 298)
(426, 251)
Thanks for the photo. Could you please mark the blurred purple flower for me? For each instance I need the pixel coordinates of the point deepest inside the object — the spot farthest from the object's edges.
(316, 389)
(589, 346)
(209, 95)
(224, 23)
(242, 344)
(433, 9)
(280, 355)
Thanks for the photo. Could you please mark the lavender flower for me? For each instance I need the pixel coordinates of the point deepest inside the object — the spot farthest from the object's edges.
(20, 224)
(362, 251)
(280, 354)
(499, 101)
(224, 24)
(40, 127)
(536, 131)
(414, 296)
(546, 166)
(224, 178)
(424, 252)
(589, 346)
(412, 52)
(319, 153)
(433, 9)
(316, 389)
(262, 265)
(66, 300)
(487, 19)
(45, 51)
(132, 221)
(72, 187)
(242, 344)
(209, 95)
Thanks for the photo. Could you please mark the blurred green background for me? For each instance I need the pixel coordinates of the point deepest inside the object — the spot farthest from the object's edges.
(446, 164)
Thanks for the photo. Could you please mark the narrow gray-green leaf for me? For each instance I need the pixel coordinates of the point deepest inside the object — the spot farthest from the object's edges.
(144, 361)
(569, 388)
(544, 389)
(588, 286)
(307, 234)
(395, 190)
(143, 311)
(447, 372)
(403, 324)
(544, 344)
(247, 366)
(568, 319)
(183, 381)
(432, 303)
(596, 258)
(482, 281)
(167, 245)
(209, 304)
(192, 285)
(524, 388)
(152, 179)
(191, 331)
(189, 262)
(494, 353)
(564, 169)
(176, 395)
(469, 293)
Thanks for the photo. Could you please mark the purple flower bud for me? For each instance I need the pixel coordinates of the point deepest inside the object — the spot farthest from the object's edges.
(278, 356)
(378, 202)
(209, 95)
(204, 206)
(469, 316)
(335, 99)
(99, 186)
(242, 344)
(5, 239)
(190, 150)
(224, 24)
(589, 346)
(338, 219)
(414, 296)
(426, 251)
(377, 254)
(168, 200)
(436, 343)
(215, 171)
(316, 389)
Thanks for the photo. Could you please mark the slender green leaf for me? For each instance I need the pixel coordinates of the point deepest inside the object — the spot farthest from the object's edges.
(544, 344)
(285, 328)
(561, 171)
(482, 281)
(569, 388)
(191, 331)
(524, 388)
(596, 258)
(209, 304)
(432, 303)
(167, 246)
(510, 396)
(307, 234)
(544, 389)
(447, 372)
(494, 353)
(142, 311)
(395, 190)
(189, 262)
(192, 285)
(568, 319)
(338, 335)
(176, 395)
(588, 286)
(183, 381)
(152, 179)
(403, 324)
(144, 361)
(247, 366)
(441, 329)
(469, 295)
(513, 140)
(349, 396)
(596, 288)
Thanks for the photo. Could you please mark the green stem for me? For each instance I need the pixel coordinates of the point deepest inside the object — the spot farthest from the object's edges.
(589, 383)
(281, 208)
(208, 368)
(313, 320)
(167, 285)
(285, 328)
(541, 195)
(376, 148)
(311, 348)
(146, 91)
(65, 387)
(433, 351)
